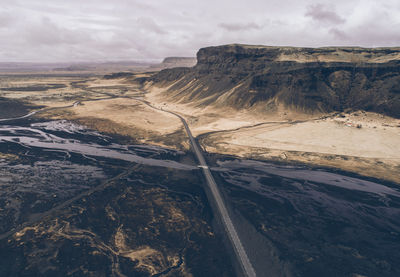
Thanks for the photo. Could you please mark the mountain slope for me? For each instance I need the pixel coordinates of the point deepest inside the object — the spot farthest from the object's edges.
(303, 79)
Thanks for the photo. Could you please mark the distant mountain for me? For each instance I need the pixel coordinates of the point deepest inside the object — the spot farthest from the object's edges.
(303, 79)
(172, 62)
(110, 66)
(106, 66)
(28, 67)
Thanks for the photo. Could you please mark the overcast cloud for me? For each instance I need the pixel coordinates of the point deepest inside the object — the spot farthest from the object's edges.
(104, 30)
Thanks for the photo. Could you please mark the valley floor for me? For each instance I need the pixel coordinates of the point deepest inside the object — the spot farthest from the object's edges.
(360, 142)
(71, 190)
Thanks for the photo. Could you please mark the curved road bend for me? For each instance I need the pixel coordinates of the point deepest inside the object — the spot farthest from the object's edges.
(241, 254)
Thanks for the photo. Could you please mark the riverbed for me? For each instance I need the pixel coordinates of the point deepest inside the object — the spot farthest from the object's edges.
(317, 222)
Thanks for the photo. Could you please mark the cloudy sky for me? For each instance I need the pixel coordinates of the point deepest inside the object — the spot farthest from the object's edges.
(99, 30)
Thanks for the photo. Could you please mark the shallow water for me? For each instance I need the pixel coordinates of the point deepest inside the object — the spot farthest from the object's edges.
(305, 175)
(61, 136)
(323, 223)
(57, 160)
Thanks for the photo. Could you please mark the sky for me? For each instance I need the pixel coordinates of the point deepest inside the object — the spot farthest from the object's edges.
(149, 30)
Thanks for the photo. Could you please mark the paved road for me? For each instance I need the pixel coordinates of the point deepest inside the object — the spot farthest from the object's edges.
(226, 220)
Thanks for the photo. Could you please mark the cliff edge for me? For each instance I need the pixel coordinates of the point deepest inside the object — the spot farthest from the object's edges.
(309, 80)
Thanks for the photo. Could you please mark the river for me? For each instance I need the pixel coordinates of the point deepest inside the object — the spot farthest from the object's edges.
(317, 222)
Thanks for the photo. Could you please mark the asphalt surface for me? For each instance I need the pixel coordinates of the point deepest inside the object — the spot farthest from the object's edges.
(230, 229)
(240, 252)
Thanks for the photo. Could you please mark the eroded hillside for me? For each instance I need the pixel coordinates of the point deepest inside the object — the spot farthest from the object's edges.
(301, 79)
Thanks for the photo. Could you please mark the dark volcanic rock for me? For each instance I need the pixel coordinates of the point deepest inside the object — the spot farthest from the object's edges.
(14, 108)
(117, 75)
(303, 79)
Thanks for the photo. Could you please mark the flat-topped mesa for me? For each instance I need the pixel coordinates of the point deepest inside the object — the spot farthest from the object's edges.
(303, 79)
(297, 54)
(172, 62)
(190, 60)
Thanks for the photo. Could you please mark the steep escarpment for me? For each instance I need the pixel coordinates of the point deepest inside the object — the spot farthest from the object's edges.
(303, 79)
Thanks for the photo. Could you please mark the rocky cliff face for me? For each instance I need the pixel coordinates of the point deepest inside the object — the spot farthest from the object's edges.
(303, 79)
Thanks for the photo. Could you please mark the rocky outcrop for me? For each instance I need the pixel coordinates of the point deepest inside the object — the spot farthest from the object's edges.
(304, 79)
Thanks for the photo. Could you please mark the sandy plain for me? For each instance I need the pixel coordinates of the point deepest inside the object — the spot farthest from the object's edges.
(357, 141)
(360, 142)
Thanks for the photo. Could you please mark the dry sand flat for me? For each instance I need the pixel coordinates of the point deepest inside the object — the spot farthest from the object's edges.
(127, 117)
(130, 113)
(49, 94)
(123, 116)
(370, 149)
(333, 141)
(208, 119)
(326, 137)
